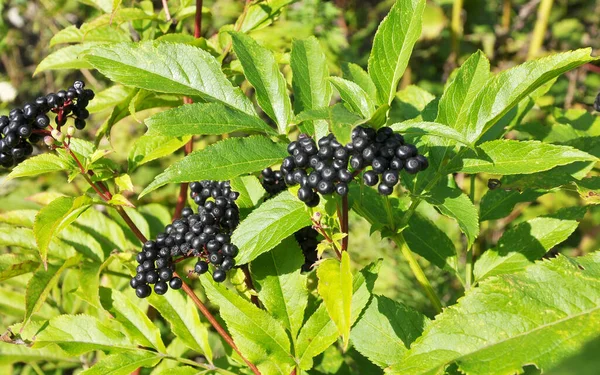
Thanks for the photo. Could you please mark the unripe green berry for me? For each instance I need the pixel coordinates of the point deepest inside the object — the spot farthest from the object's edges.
(70, 131)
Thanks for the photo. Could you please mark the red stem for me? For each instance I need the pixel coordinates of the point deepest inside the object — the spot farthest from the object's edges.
(198, 19)
(204, 310)
(250, 284)
(344, 222)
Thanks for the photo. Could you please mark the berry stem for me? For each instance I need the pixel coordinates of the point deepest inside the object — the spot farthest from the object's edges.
(317, 226)
(86, 176)
(398, 238)
(344, 222)
(250, 284)
(198, 19)
(166, 9)
(204, 310)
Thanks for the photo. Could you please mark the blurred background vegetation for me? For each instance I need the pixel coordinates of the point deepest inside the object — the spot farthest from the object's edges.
(505, 30)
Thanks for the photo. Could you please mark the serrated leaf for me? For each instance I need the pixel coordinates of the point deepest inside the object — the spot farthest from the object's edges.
(184, 320)
(356, 98)
(538, 316)
(39, 164)
(123, 309)
(170, 68)
(124, 182)
(335, 287)
(320, 332)
(452, 202)
(505, 90)
(280, 285)
(431, 129)
(505, 157)
(261, 338)
(12, 265)
(458, 96)
(19, 237)
(268, 225)
(386, 329)
(70, 57)
(392, 46)
(109, 98)
(224, 160)
(340, 118)
(262, 71)
(73, 34)
(429, 241)
(13, 353)
(40, 285)
(499, 203)
(205, 119)
(123, 363)
(151, 147)
(526, 242)
(309, 80)
(78, 334)
(56, 216)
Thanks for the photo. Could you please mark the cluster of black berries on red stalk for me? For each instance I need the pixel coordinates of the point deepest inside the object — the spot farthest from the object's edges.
(24, 127)
(321, 169)
(386, 153)
(205, 234)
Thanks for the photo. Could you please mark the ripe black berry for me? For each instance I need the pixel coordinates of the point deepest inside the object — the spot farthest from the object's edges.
(142, 291)
(176, 283)
(412, 165)
(161, 288)
(219, 275)
(370, 178)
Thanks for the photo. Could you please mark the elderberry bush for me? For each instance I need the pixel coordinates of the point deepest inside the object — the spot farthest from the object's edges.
(385, 153)
(319, 169)
(24, 127)
(204, 234)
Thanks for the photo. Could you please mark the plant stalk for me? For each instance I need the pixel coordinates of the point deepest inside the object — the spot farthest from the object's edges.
(250, 284)
(506, 9)
(456, 29)
(398, 238)
(470, 259)
(539, 30)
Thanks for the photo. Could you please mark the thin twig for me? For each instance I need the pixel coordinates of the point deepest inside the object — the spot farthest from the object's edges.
(344, 223)
(166, 9)
(237, 27)
(198, 19)
(250, 284)
(204, 310)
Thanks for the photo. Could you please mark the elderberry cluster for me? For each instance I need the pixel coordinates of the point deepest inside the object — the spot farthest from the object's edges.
(22, 128)
(273, 181)
(386, 153)
(319, 169)
(205, 234)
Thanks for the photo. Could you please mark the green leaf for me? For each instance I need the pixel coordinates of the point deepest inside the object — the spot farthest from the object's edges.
(458, 96)
(506, 89)
(78, 334)
(431, 129)
(341, 120)
(123, 363)
(386, 329)
(182, 315)
(526, 242)
(73, 34)
(262, 14)
(392, 46)
(205, 119)
(280, 285)
(170, 68)
(262, 71)
(452, 202)
(123, 309)
(261, 338)
(268, 225)
(13, 353)
(586, 361)
(40, 285)
(356, 98)
(12, 265)
(309, 80)
(70, 57)
(20, 218)
(320, 332)
(55, 217)
(110, 98)
(39, 164)
(505, 156)
(250, 189)
(335, 287)
(358, 75)
(19, 237)
(429, 241)
(539, 316)
(224, 160)
(151, 147)
(499, 203)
